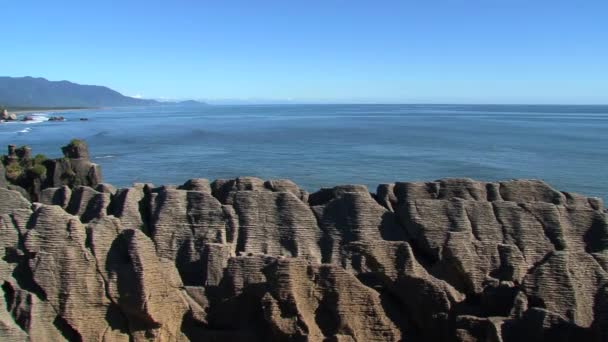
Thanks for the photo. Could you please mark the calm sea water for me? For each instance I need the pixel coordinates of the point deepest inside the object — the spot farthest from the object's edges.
(325, 145)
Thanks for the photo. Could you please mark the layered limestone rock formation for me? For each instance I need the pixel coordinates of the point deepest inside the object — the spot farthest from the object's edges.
(31, 175)
(254, 260)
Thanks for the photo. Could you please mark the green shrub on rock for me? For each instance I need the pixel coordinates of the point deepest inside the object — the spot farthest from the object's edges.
(14, 171)
(76, 149)
(76, 142)
(38, 170)
(39, 159)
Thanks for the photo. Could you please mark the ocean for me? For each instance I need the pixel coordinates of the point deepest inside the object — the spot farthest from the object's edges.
(326, 145)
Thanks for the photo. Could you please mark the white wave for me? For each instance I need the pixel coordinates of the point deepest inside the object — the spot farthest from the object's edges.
(26, 130)
(37, 118)
(104, 157)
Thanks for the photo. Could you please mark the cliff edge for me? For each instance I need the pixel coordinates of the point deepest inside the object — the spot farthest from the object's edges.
(253, 260)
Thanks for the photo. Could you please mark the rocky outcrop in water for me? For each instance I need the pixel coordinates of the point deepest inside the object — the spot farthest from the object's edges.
(253, 260)
(30, 175)
(6, 116)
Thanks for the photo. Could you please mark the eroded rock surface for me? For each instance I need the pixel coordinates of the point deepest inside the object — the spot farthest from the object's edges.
(33, 176)
(254, 260)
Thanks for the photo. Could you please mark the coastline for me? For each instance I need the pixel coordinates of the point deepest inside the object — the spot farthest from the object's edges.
(290, 241)
(21, 111)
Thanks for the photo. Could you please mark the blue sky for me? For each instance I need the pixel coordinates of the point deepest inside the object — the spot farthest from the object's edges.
(459, 51)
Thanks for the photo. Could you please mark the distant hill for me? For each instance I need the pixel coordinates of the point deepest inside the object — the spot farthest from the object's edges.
(40, 92)
(191, 103)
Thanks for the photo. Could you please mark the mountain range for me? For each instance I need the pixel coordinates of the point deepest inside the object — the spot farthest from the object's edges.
(40, 92)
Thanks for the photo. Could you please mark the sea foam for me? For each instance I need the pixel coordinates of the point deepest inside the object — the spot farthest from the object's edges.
(37, 118)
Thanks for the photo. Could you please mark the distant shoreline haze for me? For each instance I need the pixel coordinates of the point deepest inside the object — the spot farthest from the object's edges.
(39, 93)
(36, 93)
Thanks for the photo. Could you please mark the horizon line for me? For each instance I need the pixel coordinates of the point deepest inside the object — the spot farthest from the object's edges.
(210, 103)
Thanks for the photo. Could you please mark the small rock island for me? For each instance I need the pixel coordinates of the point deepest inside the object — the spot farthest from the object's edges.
(5, 116)
(252, 260)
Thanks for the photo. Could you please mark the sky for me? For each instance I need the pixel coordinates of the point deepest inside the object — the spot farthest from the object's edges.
(330, 51)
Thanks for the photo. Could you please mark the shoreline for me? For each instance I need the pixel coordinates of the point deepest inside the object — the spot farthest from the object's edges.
(45, 110)
(22, 114)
